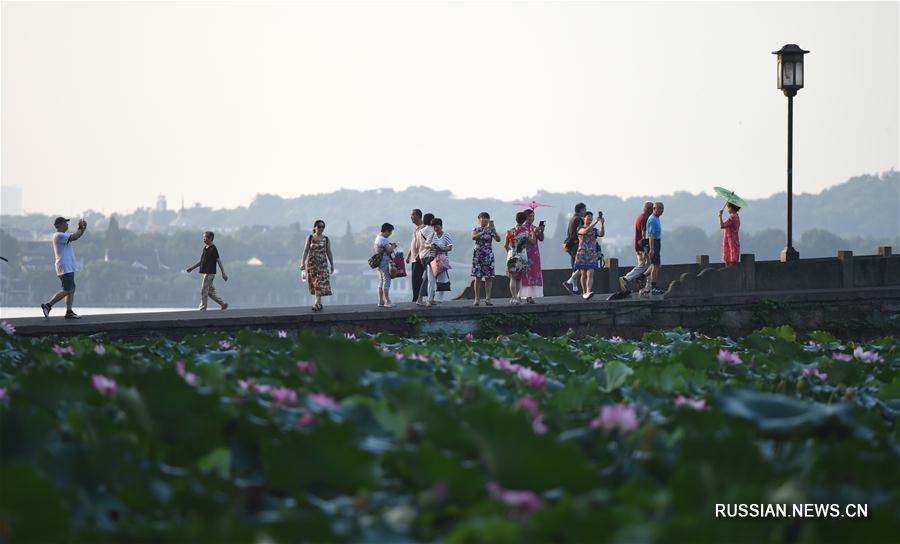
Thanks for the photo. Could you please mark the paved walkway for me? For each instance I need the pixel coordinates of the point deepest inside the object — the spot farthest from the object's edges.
(288, 317)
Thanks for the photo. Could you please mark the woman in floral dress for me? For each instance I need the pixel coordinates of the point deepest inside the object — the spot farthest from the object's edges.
(318, 263)
(483, 257)
(517, 241)
(588, 255)
(533, 284)
(731, 240)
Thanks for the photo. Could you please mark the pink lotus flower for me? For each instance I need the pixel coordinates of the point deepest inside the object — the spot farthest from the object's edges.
(104, 385)
(324, 400)
(597, 363)
(615, 340)
(616, 416)
(246, 385)
(399, 356)
(470, 336)
(841, 357)
(59, 350)
(7, 328)
(814, 372)
(282, 396)
(523, 502)
(4, 396)
(306, 367)
(225, 344)
(305, 420)
(250, 385)
(504, 365)
(417, 357)
(99, 349)
(729, 358)
(530, 406)
(867, 356)
(533, 379)
(282, 334)
(189, 377)
(637, 354)
(695, 404)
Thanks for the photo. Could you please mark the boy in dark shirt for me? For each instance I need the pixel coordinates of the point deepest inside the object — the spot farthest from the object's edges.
(209, 258)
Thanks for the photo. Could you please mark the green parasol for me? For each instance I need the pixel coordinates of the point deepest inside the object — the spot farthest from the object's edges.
(729, 196)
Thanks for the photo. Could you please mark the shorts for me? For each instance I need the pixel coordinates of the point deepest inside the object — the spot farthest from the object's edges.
(657, 246)
(68, 281)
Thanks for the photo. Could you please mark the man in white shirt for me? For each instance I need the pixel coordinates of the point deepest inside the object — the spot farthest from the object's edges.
(425, 234)
(64, 254)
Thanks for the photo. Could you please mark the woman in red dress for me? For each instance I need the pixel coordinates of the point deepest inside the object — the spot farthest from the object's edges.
(731, 241)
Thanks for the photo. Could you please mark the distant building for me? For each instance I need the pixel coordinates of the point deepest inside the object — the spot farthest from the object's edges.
(11, 200)
(161, 203)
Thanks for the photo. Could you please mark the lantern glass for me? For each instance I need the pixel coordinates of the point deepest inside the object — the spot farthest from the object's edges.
(788, 74)
(798, 74)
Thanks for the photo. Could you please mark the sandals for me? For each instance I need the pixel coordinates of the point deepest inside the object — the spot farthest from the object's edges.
(488, 303)
(317, 307)
(475, 303)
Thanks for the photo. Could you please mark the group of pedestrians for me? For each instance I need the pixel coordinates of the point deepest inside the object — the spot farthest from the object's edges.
(428, 257)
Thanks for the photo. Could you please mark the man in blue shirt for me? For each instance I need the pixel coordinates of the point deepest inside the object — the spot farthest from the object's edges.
(654, 235)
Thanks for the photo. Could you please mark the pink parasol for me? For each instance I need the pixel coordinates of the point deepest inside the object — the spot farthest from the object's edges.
(532, 204)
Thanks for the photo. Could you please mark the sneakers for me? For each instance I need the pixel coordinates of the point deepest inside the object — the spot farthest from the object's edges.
(225, 306)
(657, 292)
(46, 309)
(72, 315)
(568, 287)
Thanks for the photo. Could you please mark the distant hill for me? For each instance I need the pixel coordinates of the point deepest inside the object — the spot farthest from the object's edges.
(864, 206)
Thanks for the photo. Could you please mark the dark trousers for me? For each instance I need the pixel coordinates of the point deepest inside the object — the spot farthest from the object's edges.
(418, 279)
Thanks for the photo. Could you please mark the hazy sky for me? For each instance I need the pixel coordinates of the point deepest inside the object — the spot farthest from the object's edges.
(106, 105)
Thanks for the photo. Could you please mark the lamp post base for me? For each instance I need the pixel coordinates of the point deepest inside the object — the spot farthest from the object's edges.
(789, 254)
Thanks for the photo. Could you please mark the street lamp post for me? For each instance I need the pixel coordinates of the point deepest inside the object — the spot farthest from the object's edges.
(790, 80)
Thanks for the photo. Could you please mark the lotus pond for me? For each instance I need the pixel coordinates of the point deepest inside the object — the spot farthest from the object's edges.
(265, 437)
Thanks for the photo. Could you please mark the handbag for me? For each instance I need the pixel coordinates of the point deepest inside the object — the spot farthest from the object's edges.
(442, 286)
(440, 264)
(375, 260)
(398, 266)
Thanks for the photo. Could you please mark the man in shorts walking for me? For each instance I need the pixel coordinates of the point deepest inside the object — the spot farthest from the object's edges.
(64, 254)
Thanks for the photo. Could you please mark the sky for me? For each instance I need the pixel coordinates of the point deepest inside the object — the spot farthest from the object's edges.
(107, 105)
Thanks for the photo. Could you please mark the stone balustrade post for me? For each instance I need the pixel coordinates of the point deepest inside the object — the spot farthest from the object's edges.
(748, 271)
(846, 258)
(884, 251)
(612, 266)
(702, 262)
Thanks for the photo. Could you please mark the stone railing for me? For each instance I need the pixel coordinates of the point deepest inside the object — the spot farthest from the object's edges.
(701, 278)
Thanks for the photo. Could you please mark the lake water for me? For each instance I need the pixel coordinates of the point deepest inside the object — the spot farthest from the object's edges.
(58, 311)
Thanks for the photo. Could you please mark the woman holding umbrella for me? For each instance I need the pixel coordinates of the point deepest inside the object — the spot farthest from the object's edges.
(731, 241)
